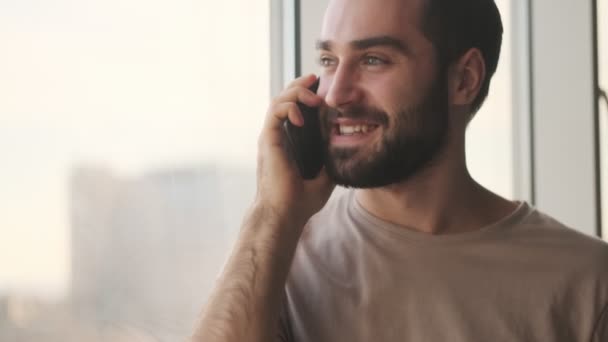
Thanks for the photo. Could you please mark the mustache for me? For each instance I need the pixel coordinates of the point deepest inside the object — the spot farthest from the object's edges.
(358, 112)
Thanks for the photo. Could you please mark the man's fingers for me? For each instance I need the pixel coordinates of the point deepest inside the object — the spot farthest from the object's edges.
(289, 110)
(285, 107)
(303, 81)
(299, 94)
(275, 118)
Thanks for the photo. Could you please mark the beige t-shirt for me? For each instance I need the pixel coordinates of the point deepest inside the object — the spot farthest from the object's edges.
(356, 277)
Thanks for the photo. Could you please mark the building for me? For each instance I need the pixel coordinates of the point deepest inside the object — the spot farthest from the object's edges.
(146, 250)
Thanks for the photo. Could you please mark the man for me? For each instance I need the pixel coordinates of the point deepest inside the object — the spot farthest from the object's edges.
(419, 251)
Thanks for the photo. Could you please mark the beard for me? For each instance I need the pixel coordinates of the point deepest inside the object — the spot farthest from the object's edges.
(409, 143)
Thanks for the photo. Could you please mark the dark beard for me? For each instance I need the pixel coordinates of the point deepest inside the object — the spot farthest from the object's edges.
(415, 140)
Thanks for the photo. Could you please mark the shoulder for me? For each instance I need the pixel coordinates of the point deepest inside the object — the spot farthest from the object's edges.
(544, 228)
(573, 250)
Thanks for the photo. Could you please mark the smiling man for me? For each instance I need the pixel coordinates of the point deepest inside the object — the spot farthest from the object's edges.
(416, 250)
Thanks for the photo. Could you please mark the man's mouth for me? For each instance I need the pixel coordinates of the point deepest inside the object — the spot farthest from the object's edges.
(350, 133)
(350, 129)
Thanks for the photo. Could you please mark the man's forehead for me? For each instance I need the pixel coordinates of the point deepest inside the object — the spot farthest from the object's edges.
(347, 20)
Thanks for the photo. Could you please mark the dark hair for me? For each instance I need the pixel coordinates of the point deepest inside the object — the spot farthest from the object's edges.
(455, 26)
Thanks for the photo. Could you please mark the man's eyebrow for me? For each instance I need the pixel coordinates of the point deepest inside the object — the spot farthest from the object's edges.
(366, 43)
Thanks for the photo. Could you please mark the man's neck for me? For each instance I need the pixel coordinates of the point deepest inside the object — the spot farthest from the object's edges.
(442, 199)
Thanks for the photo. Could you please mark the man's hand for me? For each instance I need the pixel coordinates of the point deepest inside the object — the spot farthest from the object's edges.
(280, 186)
(246, 301)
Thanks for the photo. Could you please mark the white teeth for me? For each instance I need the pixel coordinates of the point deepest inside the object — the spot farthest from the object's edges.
(347, 129)
(350, 130)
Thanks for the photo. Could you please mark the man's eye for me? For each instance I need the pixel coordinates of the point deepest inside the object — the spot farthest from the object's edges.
(373, 60)
(325, 61)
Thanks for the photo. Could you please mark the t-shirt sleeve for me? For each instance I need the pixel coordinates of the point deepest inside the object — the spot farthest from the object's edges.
(600, 333)
(284, 330)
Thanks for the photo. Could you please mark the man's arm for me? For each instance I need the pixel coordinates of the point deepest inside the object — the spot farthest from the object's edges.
(246, 301)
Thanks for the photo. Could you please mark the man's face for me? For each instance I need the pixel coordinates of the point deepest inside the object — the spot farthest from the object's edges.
(387, 98)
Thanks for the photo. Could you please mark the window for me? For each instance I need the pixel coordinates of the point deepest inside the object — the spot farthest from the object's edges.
(602, 20)
(490, 134)
(128, 136)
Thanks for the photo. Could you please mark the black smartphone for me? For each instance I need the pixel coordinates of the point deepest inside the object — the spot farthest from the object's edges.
(305, 144)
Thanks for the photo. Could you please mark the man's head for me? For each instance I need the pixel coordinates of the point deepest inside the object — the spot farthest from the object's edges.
(455, 27)
(399, 78)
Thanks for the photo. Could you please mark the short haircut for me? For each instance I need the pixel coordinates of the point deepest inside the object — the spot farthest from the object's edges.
(456, 26)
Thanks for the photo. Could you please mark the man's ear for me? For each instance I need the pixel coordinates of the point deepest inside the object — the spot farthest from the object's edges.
(466, 77)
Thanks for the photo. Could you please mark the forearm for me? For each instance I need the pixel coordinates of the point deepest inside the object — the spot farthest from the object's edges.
(247, 298)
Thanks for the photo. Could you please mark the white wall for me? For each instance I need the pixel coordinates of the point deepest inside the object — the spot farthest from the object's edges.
(563, 112)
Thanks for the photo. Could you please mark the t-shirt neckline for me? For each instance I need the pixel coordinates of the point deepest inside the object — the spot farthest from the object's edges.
(373, 222)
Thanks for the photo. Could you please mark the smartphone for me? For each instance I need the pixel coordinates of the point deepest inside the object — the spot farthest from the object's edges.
(305, 144)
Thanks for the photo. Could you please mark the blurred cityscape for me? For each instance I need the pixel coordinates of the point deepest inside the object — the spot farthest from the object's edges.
(145, 252)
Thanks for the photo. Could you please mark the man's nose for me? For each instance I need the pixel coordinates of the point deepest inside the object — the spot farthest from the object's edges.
(342, 88)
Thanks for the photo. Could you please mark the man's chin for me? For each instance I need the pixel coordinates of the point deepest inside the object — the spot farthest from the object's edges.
(343, 154)
(354, 172)
(348, 180)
